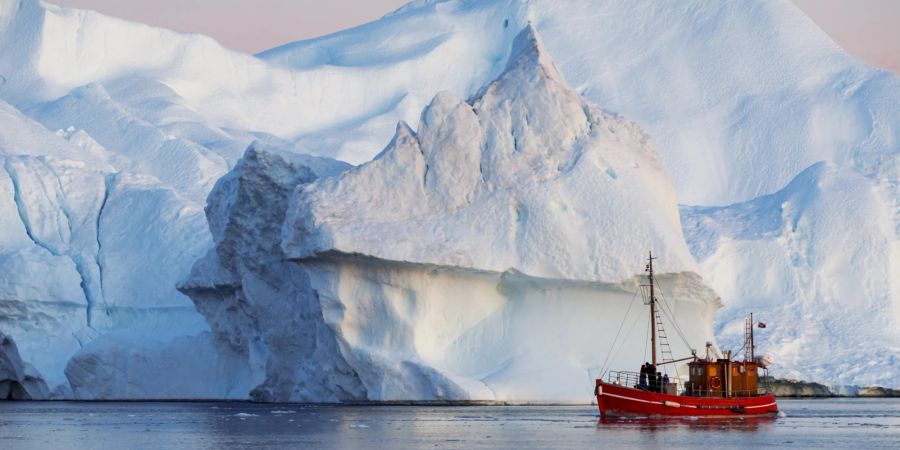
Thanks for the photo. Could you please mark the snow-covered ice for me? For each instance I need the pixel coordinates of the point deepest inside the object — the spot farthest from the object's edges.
(537, 202)
(555, 187)
(792, 259)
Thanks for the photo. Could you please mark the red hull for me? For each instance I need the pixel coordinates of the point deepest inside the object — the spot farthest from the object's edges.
(620, 401)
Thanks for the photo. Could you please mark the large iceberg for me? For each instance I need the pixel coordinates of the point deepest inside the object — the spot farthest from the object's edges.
(491, 255)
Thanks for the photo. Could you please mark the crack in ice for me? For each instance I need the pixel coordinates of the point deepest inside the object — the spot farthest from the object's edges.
(23, 213)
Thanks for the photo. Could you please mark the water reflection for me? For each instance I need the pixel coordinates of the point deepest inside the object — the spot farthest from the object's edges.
(744, 424)
(809, 424)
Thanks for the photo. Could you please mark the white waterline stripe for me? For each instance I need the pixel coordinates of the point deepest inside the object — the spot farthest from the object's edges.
(640, 400)
(682, 405)
(761, 406)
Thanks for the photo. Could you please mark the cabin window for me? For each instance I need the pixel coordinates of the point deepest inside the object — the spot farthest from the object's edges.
(712, 371)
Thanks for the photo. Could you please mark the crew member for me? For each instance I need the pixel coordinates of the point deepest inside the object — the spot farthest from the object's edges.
(643, 380)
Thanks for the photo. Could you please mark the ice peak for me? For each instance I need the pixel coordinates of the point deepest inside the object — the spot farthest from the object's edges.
(530, 79)
(403, 130)
(402, 136)
(528, 51)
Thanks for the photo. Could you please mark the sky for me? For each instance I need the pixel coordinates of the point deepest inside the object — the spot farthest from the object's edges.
(868, 29)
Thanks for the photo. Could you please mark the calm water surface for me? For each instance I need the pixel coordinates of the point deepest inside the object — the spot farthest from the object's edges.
(831, 423)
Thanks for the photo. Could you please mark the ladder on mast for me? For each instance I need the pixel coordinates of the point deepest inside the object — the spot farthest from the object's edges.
(665, 350)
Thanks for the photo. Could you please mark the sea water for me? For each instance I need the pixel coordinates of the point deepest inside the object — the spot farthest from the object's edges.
(827, 423)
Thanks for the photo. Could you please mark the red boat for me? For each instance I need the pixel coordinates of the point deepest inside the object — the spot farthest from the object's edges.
(716, 387)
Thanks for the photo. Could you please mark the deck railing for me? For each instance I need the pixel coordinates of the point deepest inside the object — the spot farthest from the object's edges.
(677, 386)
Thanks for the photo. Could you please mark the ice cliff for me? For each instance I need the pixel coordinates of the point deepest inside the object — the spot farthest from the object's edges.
(484, 256)
(90, 259)
(260, 306)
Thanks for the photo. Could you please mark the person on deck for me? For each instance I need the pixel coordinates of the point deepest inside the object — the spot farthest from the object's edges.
(665, 382)
(659, 386)
(643, 380)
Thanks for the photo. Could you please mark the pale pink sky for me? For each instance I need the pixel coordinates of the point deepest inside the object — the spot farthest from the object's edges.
(870, 29)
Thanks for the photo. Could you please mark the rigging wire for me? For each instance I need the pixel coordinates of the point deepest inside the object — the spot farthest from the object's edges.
(647, 340)
(667, 311)
(616, 339)
(630, 330)
(671, 315)
(674, 366)
(671, 318)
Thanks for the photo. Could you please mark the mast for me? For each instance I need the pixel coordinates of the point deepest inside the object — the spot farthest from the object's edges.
(752, 347)
(652, 311)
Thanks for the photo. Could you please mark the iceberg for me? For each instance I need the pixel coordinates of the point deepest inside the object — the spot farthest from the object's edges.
(491, 255)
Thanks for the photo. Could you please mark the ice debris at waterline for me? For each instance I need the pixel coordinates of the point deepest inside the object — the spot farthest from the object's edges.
(18, 381)
(487, 256)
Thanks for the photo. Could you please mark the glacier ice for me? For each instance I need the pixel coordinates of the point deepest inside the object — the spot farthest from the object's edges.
(88, 249)
(789, 257)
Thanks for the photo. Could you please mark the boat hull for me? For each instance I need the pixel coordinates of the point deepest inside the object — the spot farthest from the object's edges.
(620, 401)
